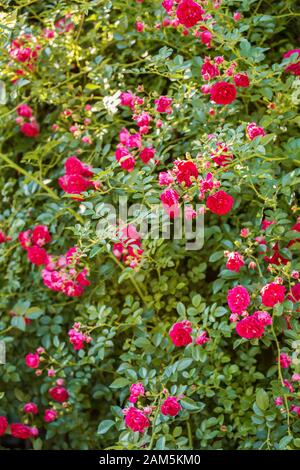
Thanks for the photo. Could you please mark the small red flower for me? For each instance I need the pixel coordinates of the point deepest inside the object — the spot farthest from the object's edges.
(220, 203)
(241, 80)
(189, 13)
(37, 255)
(30, 129)
(180, 333)
(171, 406)
(59, 394)
(21, 431)
(3, 425)
(223, 93)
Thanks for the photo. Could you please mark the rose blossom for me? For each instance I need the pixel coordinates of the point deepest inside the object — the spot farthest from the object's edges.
(189, 13)
(272, 294)
(32, 360)
(37, 255)
(241, 80)
(285, 361)
(223, 93)
(136, 390)
(238, 299)
(293, 68)
(30, 408)
(135, 419)
(202, 338)
(171, 406)
(59, 394)
(180, 333)
(163, 104)
(220, 203)
(20, 431)
(30, 129)
(253, 131)
(24, 110)
(234, 261)
(50, 415)
(250, 327)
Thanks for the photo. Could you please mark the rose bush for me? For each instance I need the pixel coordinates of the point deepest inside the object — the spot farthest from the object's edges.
(125, 341)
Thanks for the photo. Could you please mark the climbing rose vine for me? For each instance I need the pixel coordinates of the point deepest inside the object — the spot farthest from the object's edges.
(116, 331)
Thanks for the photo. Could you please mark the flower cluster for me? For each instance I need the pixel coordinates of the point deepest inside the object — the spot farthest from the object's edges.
(138, 419)
(77, 177)
(77, 337)
(26, 121)
(181, 334)
(129, 247)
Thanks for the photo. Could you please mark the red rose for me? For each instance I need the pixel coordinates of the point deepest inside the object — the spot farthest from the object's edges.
(223, 93)
(21, 431)
(220, 203)
(189, 13)
(180, 333)
(37, 255)
(184, 170)
(24, 110)
(146, 154)
(136, 420)
(272, 294)
(74, 166)
(250, 327)
(59, 394)
(40, 235)
(3, 425)
(170, 407)
(238, 299)
(30, 129)
(242, 80)
(74, 184)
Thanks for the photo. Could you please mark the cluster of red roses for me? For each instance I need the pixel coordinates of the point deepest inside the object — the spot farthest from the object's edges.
(180, 334)
(79, 126)
(129, 248)
(77, 177)
(60, 273)
(137, 419)
(58, 393)
(24, 51)
(30, 128)
(185, 173)
(77, 337)
(131, 145)
(222, 92)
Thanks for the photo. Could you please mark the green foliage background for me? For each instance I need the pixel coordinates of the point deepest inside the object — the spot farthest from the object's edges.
(230, 384)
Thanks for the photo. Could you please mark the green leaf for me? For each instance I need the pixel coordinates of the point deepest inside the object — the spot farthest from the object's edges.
(180, 309)
(190, 404)
(119, 383)
(104, 426)
(262, 399)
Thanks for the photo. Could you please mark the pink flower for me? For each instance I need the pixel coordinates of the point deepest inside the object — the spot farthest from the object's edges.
(77, 338)
(184, 171)
(288, 385)
(59, 394)
(253, 131)
(30, 129)
(74, 184)
(180, 333)
(238, 299)
(223, 93)
(220, 203)
(241, 80)
(168, 5)
(165, 178)
(50, 415)
(278, 401)
(296, 377)
(20, 431)
(234, 261)
(163, 105)
(171, 406)
(24, 110)
(189, 13)
(285, 361)
(237, 16)
(128, 99)
(293, 68)
(73, 166)
(37, 255)
(135, 419)
(272, 294)
(136, 390)
(30, 408)
(40, 235)
(206, 37)
(244, 232)
(169, 199)
(263, 317)
(32, 360)
(250, 327)
(3, 425)
(202, 338)
(139, 26)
